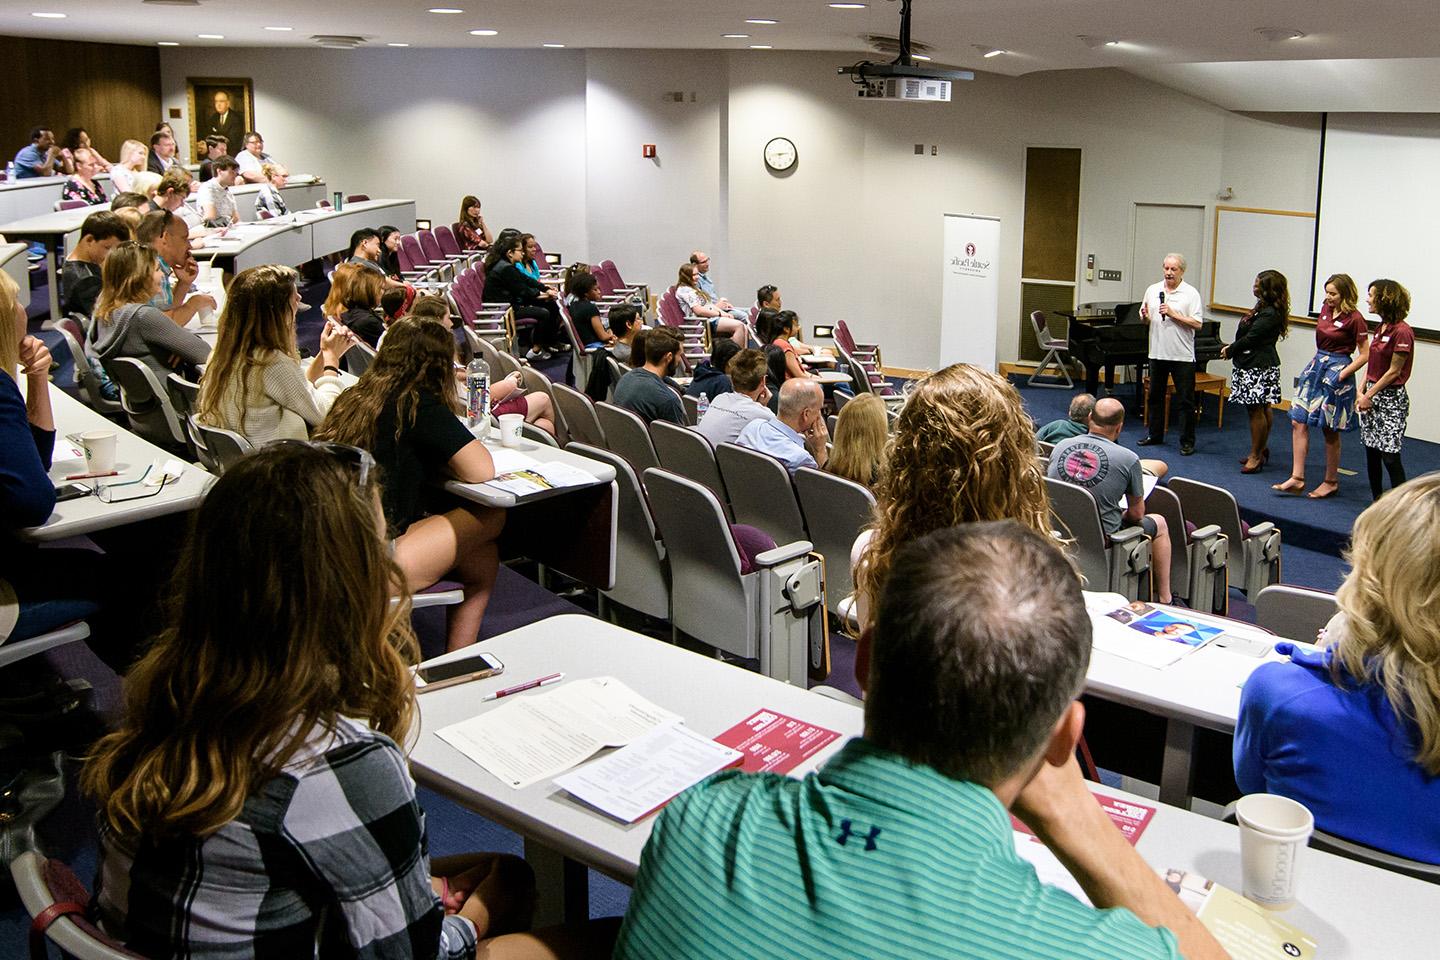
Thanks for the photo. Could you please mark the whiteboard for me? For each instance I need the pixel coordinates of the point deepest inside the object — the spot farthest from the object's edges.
(1247, 241)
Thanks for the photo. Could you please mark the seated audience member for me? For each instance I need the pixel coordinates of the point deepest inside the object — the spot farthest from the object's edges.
(405, 411)
(171, 193)
(1075, 425)
(531, 263)
(507, 395)
(625, 321)
(392, 305)
(782, 353)
(701, 262)
(253, 158)
(128, 325)
(255, 798)
(270, 199)
(433, 307)
(1352, 730)
(216, 146)
(80, 277)
(505, 282)
(78, 138)
(390, 251)
(902, 845)
(474, 234)
(365, 252)
(797, 436)
(768, 298)
(166, 233)
(146, 183)
(254, 383)
(162, 152)
(217, 206)
(40, 158)
(1097, 462)
(732, 411)
(584, 295)
(82, 185)
(354, 301)
(643, 389)
(131, 207)
(132, 160)
(637, 349)
(861, 432)
(963, 451)
(711, 375)
(568, 276)
(698, 303)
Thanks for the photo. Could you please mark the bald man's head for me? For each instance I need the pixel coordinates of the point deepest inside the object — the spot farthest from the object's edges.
(1107, 416)
(800, 403)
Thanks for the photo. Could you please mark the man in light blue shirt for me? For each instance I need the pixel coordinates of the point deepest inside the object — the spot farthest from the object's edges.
(41, 158)
(797, 437)
(701, 260)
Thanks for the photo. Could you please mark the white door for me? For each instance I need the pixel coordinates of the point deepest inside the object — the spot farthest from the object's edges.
(1162, 228)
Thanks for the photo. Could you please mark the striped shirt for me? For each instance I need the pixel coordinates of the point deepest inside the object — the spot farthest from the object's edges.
(870, 857)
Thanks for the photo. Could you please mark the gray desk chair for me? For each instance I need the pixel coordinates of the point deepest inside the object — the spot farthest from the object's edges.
(533, 433)
(50, 885)
(761, 493)
(683, 451)
(627, 435)
(1259, 545)
(536, 382)
(222, 447)
(72, 334)
(616, 372)
(692, 408)
(486, 349)
(147, 405)
(1119, 563)
(835, 510)
(507, 364)
(771, 613)
(1350, 850)
(1199, 560)
(841, 398)
(358, 358)
(578, 412)
(1054, 347)
(184, 395)
(642, 576)
(1296, 613)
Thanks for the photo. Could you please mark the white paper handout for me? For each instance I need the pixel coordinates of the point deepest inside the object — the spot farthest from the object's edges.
(637, 780)
(1143, 633)
(537, 736)
(540, 477)
(1147, 483)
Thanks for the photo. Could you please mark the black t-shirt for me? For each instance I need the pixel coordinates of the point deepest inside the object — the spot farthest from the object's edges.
(414, 459)
(79, 286)
(366, 323)
(583, 312)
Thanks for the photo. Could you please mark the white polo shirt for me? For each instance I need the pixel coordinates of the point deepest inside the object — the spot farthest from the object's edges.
(1170, 340)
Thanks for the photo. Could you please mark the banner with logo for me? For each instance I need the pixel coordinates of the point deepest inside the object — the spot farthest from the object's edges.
(969, 311)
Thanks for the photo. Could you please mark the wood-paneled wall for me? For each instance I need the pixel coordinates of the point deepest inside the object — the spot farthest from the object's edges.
(111, 90)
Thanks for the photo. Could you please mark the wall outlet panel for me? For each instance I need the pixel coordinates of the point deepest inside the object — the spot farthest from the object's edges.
(1109, 274)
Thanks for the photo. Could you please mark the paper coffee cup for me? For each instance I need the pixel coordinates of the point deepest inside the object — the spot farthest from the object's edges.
(99, 450)
(1273, 831)
(510, 425)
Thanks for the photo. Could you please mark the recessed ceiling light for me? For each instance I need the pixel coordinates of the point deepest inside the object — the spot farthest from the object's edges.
(553, 46)
(987, 51)
(210, 36)
(1275, 34)
(761, 46)
(397, 44)
(49, 16)
(1093, 42)
(919, 56)
(735, 36)
(848, 6)
(484, 33)
(280, 29)
(767, 23)
(166, 43)
(446, 10)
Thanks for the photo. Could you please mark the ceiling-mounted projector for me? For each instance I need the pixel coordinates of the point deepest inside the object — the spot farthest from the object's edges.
(901, 78)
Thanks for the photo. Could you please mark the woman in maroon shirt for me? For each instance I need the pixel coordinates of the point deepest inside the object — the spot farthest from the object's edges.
(1384, 404)
(1325, 397)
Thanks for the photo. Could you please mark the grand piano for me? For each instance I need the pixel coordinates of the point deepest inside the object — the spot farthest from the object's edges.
(1103, 342)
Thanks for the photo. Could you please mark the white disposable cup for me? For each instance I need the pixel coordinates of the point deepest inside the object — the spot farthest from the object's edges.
(1273, 831)
(99, 450)
(510, 424)
(202, 277)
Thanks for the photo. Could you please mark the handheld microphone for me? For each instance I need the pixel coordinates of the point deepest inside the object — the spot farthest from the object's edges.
(1162, 299)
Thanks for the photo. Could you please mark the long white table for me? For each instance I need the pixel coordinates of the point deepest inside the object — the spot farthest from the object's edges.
(1352, 910)
(51, 230)
(132, 455)
(297, 196)
(29, 197)
(15, 260)
(303, 235)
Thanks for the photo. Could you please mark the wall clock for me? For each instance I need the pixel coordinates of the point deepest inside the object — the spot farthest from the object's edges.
(780, 154)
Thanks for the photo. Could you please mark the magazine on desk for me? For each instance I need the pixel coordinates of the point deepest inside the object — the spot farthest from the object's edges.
(519, 474)
(1145, 633)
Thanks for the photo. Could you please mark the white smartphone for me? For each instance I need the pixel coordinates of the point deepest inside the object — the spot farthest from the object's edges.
(477, 666)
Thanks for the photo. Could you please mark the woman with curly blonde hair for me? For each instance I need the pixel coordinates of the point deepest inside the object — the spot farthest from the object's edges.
(963, 451)
(1352, 730)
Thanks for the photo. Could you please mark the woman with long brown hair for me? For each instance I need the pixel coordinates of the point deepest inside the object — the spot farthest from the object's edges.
(255, 792)
(1255, 377)
(354, 301)
(405, 411)
(254, 384)
(126, 324)
(473, 234)
(1384, 403)
(963, 451)
(533, 302)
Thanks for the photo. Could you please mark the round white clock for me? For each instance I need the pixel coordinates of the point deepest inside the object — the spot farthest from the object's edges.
(780, 154)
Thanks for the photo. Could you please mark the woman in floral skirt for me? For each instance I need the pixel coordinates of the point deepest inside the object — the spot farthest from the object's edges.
(1255, 379)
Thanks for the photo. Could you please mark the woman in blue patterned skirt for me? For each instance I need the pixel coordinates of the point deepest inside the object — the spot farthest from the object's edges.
(1325, 397)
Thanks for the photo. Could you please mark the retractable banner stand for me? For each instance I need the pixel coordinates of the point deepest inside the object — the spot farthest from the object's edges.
(969, 301)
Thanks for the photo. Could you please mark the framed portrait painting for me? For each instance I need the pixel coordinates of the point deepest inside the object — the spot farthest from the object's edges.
(223, 106)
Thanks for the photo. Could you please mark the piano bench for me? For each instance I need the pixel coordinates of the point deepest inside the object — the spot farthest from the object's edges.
(1204, 383)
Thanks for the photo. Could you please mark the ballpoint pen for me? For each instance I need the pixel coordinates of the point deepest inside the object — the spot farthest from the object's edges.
(522, 687)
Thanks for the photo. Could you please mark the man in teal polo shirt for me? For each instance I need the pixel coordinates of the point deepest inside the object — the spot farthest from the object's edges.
(901, 846)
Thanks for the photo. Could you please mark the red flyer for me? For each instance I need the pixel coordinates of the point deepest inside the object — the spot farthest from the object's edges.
(1130, 819)
(775, 743)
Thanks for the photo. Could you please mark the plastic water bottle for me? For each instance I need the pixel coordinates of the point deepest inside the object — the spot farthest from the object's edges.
(10, 172)
(477, 391)
(702, 406)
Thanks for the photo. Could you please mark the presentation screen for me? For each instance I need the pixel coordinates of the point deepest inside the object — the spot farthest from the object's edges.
(1379, 203)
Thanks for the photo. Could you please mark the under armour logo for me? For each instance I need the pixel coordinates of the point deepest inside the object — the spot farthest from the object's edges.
(847, 831)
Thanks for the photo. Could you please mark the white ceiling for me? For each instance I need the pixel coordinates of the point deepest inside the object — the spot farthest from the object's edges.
(1210, 49)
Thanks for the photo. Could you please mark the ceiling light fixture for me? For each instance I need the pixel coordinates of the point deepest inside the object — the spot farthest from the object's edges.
(553, 46)
(987, 51)
(397, 44)
(764, 23)
(280, 29)
(49, 16)
(210, 36)
(484, 33)
(735, 36)
(446, 10)
(761, 46)
(848, 6)
(919, 56)
(166, 43)
(1093, 42)
(1277, 34)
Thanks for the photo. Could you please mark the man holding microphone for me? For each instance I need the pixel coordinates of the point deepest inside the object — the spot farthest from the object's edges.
(1172, 308)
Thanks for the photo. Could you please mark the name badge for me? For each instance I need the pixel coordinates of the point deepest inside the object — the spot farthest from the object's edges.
(1384, 339)
(1339, 323)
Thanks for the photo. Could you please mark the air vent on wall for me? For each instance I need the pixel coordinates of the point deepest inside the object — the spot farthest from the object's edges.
(890, 46)
(337, 42)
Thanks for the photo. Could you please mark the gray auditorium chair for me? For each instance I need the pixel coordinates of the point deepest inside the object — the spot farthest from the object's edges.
(761, 493)
(578, 412)
(692, 408)
(772, 614)
(72, 334)
(537, 435)
(642, 577)
(536, 382)
(222, 447)
(1295, 613)
(507, 363)
(1199, 561)
(184, 395)
(617, 370)
(1054, 347)
(835, 510)
(1118, 563)
(627, 435)
(147, 404)
(686, 452)
(1258, 545)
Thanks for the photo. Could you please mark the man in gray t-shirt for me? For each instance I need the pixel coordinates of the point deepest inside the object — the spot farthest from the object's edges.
(1097, 462)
